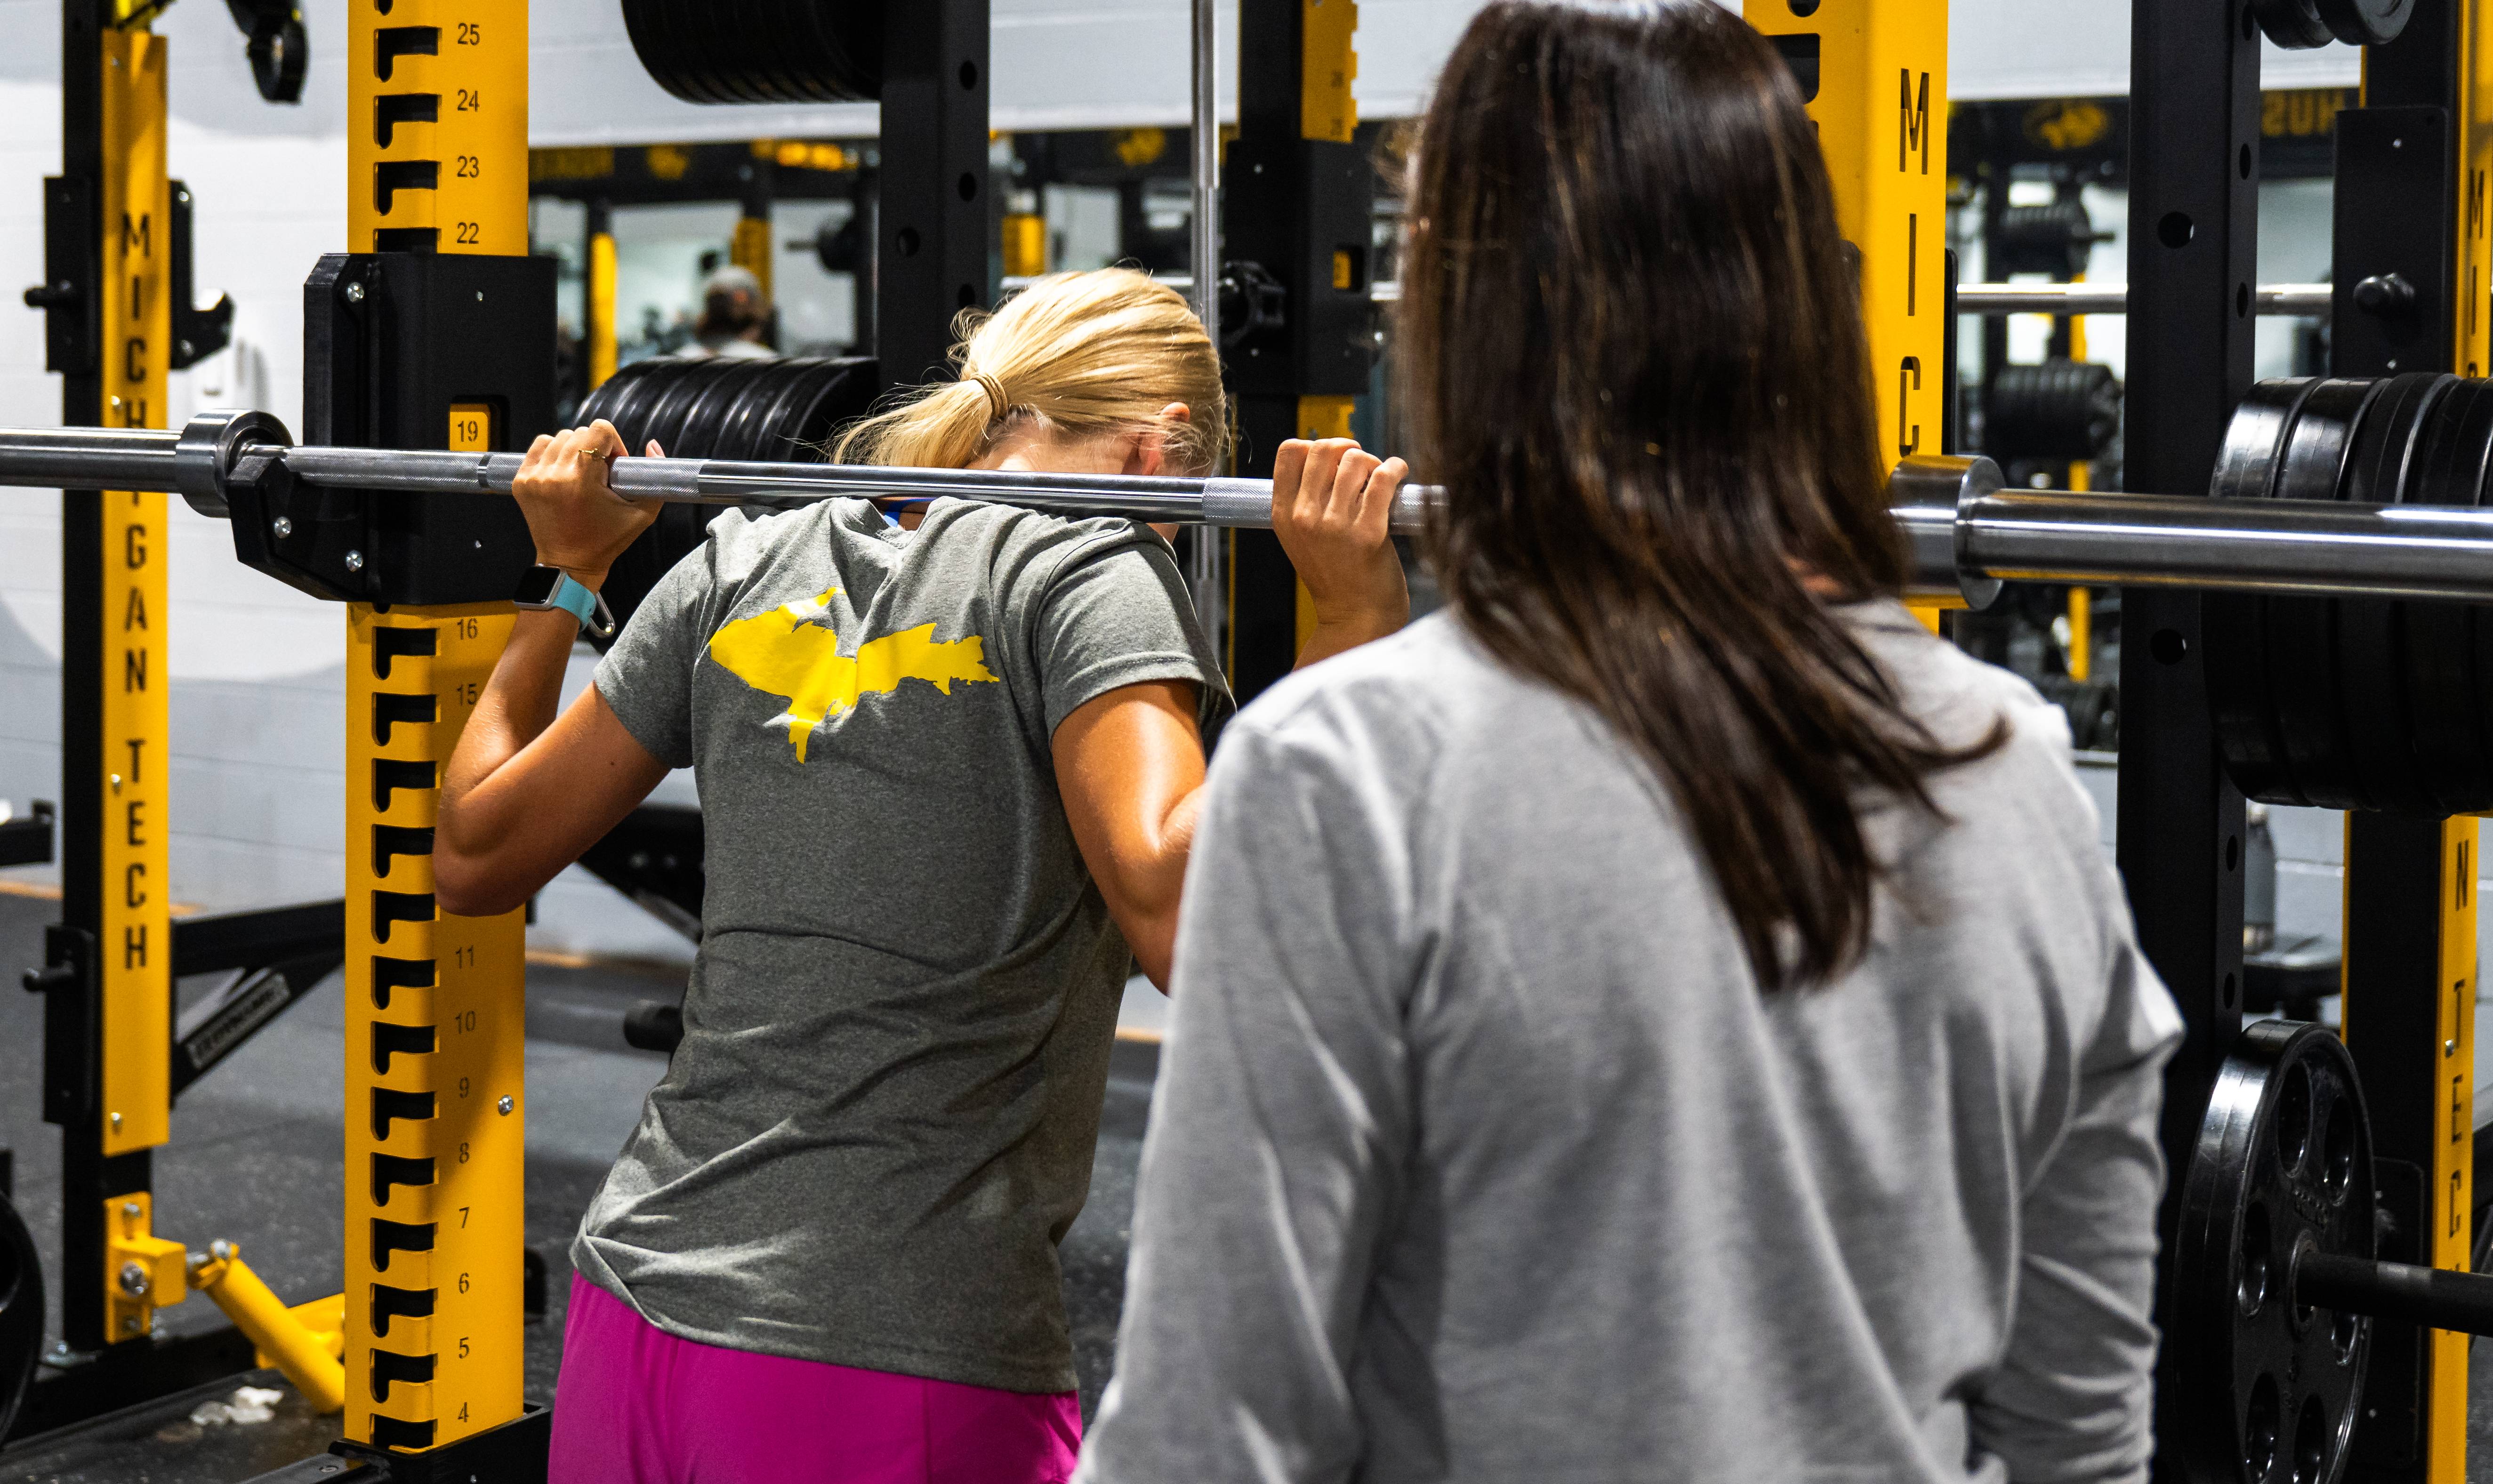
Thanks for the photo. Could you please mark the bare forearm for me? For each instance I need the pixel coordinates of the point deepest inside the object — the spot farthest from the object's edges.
(519, 699)
(1334, 636)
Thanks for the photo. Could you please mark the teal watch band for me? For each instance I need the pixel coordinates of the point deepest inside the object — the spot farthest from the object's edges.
(573, 598)
(581, 603)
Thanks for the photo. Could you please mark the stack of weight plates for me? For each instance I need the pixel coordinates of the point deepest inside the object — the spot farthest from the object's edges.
(2357, 703)
(2058, 409)
(765, 411)
(760, 51)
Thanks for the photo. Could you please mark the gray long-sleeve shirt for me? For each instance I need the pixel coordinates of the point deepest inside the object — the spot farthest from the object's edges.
(1477, 1154)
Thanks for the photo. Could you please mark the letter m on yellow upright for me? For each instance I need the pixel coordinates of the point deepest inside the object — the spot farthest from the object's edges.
(1914, 129)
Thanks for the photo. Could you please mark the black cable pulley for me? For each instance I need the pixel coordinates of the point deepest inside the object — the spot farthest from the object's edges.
(780, 411)
(2059, 410)
(760, 51)
(2056, 239)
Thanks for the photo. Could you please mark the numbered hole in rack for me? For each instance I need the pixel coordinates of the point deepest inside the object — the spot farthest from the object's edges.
(2176, 229)
(969, 75)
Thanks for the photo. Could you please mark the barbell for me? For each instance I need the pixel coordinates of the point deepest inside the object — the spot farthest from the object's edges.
(1966, 533)
(2349, 492)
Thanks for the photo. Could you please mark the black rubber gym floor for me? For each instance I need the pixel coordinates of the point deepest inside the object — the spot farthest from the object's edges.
(257, 1158)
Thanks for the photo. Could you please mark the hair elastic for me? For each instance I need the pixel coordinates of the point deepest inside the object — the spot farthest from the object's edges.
(997, 405)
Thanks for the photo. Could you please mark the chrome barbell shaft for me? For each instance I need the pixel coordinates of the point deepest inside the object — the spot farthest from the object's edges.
(2303, 300)
(1965, 532)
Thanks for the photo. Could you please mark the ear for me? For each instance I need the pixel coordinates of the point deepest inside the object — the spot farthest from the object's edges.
(1147, 454)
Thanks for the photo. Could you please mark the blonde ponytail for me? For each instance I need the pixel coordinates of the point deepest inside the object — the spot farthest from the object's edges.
(1085, 354)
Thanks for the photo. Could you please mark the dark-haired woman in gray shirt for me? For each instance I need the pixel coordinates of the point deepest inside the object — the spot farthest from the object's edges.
(1668, 1017)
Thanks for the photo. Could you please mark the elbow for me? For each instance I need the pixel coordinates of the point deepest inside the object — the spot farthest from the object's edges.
(463, 886)
(1151, 935)
(468, 881)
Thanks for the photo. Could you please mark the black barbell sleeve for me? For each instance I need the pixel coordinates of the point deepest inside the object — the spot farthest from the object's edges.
(2433, 1297)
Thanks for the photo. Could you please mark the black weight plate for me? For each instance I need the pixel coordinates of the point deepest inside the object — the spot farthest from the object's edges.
(624, 396)
(630, 411)
(701, 48)
(2246, 467)
(665, 418)
(2303, 667)
(2379, 732)
(2419, 430)
(747, 436)
(729, 433)
(654, 44)
(2293, 24)
(657, 410)
(601, 399)
(824, 46)
(2392, 430)
(733, 431)
(855, 29)
(2283, 1168)
(846, 394)
(778, 425)
(746, 43)
(2441, 459)
(2322, 433)
(792, 58)
(713, 403)
(2436, 660)
(2234, 628)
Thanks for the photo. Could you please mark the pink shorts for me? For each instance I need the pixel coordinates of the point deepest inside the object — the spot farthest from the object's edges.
(635, 1404)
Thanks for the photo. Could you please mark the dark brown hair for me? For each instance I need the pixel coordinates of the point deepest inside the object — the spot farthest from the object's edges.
(1631, 347)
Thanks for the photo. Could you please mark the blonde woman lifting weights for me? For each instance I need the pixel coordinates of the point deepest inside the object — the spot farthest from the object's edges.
(948, 768)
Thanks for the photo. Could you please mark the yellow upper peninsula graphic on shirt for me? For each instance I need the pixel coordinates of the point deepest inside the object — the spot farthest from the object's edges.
(784, 652)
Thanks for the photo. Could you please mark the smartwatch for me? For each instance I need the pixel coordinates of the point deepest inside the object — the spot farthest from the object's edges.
(545, 589)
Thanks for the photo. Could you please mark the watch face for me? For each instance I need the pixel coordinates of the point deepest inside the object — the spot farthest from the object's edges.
(537, 585)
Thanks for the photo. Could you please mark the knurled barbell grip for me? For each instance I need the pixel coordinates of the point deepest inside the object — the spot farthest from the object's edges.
(2434, 1297)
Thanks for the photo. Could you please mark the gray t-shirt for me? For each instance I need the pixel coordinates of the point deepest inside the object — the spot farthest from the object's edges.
(1477, 1155)
(880, 1121)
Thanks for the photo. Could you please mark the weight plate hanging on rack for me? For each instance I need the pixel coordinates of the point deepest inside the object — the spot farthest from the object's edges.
(22, 1312)
(2345, 703)
(760, 51)
(2282, 1172)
